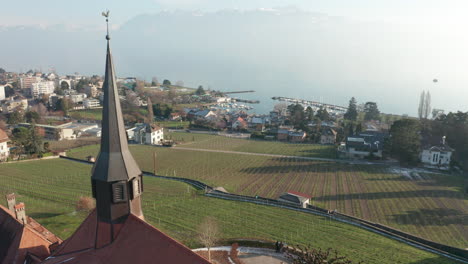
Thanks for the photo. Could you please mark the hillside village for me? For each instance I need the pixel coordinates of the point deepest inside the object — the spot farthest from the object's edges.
(68, 108)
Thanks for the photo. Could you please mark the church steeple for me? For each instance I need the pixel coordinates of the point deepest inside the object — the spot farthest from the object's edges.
(116, 177)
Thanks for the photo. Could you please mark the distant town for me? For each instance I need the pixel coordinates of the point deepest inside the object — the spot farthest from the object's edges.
(50, 107)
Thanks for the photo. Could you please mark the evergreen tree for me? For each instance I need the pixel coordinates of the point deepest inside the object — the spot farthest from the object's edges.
(371, 111)
(323, 114)
(351, 113)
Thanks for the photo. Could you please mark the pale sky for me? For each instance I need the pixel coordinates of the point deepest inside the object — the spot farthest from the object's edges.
(385, 51)
(86, 12)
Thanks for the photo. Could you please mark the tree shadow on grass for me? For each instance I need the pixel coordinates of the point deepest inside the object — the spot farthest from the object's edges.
(432, 217)
(435, 260)
(43, 215)
(302, 167)
(390, 195)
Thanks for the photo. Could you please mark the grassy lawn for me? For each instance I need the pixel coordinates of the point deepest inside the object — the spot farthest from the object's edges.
(205, 141)
(433, 208)
(173, 124)
(50, 189)
(94, 114)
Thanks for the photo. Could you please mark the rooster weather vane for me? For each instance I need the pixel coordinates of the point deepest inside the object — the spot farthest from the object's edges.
(106, 14)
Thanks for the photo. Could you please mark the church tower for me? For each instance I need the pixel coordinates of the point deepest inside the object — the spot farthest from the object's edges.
(116, 178)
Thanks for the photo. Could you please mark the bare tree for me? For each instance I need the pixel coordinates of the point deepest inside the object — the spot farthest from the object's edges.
(85, 203)
(424, 108)
(179, 83)
(208, 233)
(281, 108)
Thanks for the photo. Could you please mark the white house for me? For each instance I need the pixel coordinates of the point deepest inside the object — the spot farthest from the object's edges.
(146, 134)
(2, 92)
(4, 150)
(91, 103)
(437, 155)
(295, 198)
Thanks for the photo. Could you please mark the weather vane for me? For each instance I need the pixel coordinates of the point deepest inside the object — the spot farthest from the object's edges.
(106, 14)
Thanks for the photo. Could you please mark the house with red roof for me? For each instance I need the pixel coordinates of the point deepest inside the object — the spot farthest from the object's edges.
(22, 239)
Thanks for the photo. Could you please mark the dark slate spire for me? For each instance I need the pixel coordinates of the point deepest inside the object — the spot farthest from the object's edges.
(117, 179)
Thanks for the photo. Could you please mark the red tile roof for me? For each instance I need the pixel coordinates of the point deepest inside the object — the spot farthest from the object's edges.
(300, 194)
(17, 241)
(137, 242)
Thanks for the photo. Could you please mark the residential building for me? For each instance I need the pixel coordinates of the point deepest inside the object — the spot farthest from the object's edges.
(91, 103)
(27, 81)
(296, 198)
(77, 98)
(174, 116)
(239, 124)
(146, 134)
(2, 92)
(42, 87)
(363, 145)
(14, 104)
(297, 136)
(438, 155)
(49, 132)
(4, 150)
(282, 134)
(328, 136)
(91, 90)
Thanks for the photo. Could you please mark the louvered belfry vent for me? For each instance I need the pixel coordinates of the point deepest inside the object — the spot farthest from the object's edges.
(136, 187)
(119, 192)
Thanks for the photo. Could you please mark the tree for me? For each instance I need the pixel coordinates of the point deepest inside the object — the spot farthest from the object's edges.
(9, 91)
(200, 90)
(64, 86)
(166, 82)
(179, 83)
(305, 255)
(371, 111)
(85, 203)
(150, 117)
(2, 71)
(154, 81)
(63, 104)
(15, 118)
(323, 114)
(309, 113)
(424, 105)
(404, 142)
(32, 117)
(208, 233)
(351, 113)
(281, 108)
(40, 109)
(297, 114)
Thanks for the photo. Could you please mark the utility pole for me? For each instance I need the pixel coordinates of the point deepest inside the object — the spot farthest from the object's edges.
(154, 162)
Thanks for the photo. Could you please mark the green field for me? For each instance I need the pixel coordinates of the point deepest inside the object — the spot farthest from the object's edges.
(206, 141)
(93, 114)
(50, 189)
(432, 207)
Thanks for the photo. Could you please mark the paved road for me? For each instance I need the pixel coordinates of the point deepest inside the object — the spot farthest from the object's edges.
(282, 156)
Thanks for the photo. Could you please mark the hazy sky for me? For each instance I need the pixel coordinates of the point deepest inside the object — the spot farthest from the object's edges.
(383, 51)
(85, 12)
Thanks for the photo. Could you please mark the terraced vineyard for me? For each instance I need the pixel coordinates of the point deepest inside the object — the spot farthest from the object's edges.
(205, 141)
(431, 206)
(50, 189)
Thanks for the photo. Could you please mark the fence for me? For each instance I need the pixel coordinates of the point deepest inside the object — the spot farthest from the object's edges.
(421, 243)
